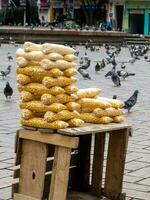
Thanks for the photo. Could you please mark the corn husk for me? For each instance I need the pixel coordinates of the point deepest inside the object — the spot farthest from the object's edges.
(70, 57)
(94, 103)
(30, 46)
(73, 106)
(70, 72)
(41, 123)
(88, 93)
(55, 48)
(75, 122)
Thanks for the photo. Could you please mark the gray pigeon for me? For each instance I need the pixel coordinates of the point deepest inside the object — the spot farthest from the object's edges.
(131, 101)
(115, 79)
(84, 74)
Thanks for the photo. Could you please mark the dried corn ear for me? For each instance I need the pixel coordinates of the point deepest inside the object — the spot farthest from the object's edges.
(26, 96)
(73, 106)
(41, 123)
(64, 81)
(118, 119)
(65, 98)
(55, 48)
(48, 99)
(99, 112)
(29, 46)
(21, 61)
(20, 53)
(113, 112)
(88, 93)
(34, 55)
(54, 56)
(57, 90)
(50, 82)
(105, 120)
(75, 122)
(70, 57)
(70, 72)
(23, 79)
(36, 106)
(37, 89)
(71, 89)
(114, 102)
(87, 109)
(26, 114)
(62, 64)
(50, 116)
(94, 103)
(91, 118)
(47, 64)
(66, 115)
(57, 107)
(36, 73)
(55, 72)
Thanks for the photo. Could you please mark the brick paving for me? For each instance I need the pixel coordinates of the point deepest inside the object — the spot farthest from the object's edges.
(137, 171)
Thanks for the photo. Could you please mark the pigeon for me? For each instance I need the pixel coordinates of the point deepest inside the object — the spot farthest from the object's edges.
(84, 74)
(8, 91)
(97, 67)
(9, 57)
(86, 65)
(6, 72)
(124, 74)
(114, 96)
(115, 79)
(123, 66)
(110, 72)
(131, 101)
(81, 61)
(103, 65)
(86, 57)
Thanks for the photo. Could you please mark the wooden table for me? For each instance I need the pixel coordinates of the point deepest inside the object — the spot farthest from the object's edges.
(50, 163)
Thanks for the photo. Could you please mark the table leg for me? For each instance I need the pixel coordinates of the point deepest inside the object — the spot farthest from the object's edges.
(60, 173)
(32, 169)
(98, 159)
(117, 148)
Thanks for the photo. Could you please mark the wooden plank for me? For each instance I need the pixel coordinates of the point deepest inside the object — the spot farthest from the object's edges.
(98, 159)
(32, 169)
(18, 150)
(117, 148)
(60, 175)
(82, 175)
(94, 128)
(49, 165)
(54, 139)
(18, 196)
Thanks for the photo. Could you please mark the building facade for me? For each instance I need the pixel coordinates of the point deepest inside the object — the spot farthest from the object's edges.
(136, 18)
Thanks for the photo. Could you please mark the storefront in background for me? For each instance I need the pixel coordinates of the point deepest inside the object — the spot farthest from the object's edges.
(137, 17)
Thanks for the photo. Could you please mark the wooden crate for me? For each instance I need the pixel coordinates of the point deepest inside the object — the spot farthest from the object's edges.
(50, 163)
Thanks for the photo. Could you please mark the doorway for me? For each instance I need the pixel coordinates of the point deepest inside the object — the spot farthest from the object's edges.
(119, 16)
(136, 23)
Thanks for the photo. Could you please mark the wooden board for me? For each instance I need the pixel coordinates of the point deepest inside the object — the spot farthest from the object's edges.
(60, 175)
(18, 196)
(18, 151)
(94, 128)
(55, 139)
(98, 159)
(32, 169)
(117, 148)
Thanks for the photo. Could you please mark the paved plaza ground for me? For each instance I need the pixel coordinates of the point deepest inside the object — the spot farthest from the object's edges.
(137, 170)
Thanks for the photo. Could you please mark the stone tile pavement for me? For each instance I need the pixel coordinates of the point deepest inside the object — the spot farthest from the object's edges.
(137, 172)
